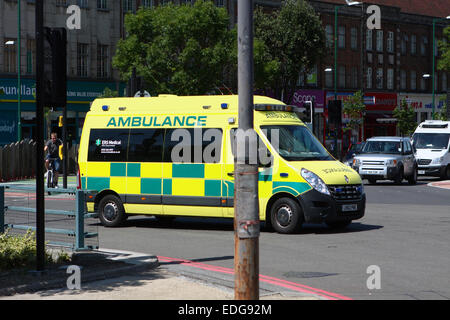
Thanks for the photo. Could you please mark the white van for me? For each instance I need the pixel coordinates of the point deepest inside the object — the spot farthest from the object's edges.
(431, 143)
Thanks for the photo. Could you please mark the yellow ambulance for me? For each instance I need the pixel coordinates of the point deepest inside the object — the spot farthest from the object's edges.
(171, 156)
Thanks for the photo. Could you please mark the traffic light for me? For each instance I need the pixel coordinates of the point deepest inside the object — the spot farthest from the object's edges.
(335, 113)
(55, 94)
(307, 115)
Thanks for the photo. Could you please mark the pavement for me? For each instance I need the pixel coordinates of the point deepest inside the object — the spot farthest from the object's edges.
(122, 275)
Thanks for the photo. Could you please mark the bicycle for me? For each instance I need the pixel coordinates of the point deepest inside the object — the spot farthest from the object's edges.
(51, 183)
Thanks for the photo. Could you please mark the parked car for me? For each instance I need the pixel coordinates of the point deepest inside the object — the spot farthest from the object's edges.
(431, 143)
(387, 158)
(353, 150)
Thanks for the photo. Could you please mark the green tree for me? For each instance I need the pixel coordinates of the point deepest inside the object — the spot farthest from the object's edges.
(292, 40)
(444, 47)
(443, 115)
(109, 93)
(177, 49)
(406, 118)
(354, 108)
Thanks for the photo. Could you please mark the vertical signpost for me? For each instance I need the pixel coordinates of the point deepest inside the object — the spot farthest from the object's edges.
(40, 218)
(246, 222)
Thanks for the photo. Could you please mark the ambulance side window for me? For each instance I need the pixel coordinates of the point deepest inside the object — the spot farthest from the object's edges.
(146, 145)
(109, 145)
(193, 145)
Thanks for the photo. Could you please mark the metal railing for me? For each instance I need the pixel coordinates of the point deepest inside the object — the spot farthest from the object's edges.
(79, 214)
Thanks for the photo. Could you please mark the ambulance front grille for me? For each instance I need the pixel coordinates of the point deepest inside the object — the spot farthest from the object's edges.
(346, 192)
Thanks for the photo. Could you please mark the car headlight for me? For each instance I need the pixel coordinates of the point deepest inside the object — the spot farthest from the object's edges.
(437, 160)
(356, 162)
(391, 163)
(315, 181)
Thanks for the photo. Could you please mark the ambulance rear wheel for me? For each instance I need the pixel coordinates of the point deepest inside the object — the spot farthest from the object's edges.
(286, 215)
(111, 211)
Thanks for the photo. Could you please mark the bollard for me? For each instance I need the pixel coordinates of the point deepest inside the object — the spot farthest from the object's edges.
(79, 220)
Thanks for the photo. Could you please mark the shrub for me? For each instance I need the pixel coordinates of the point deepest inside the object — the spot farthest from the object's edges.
(19, 251)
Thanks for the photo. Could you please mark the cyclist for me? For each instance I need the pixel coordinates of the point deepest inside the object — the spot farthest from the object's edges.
(52, 146)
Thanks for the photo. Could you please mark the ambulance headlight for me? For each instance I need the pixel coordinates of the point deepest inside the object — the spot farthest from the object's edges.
(315, 181)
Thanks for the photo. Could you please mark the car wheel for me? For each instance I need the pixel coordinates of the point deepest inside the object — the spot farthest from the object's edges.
(111, 211)
(413, 178)
(399, 177)
(446, 174)
(286, 215)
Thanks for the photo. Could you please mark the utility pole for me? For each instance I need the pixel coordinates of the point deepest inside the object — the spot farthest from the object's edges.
(246, 207)
(40, 208)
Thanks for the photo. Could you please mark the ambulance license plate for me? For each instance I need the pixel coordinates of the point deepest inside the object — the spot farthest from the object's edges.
(350, 207)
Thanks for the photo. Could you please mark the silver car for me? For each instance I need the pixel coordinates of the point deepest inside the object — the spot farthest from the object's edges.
(387, 158)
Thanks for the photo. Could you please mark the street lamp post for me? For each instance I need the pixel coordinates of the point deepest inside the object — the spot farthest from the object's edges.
(19, 69)
(433, 62)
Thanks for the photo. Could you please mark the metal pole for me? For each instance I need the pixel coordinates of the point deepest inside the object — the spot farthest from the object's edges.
(40, 206)
(432, 80)
(19, 81)
(246, 222)
(335, 50)
(64, 99)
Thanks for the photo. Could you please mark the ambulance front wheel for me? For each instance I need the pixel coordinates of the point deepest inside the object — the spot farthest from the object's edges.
(286, 215)
(111, 211)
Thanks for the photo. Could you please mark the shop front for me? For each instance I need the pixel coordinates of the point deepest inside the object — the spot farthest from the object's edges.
(79, 96)
(379, 119)
(423, 104)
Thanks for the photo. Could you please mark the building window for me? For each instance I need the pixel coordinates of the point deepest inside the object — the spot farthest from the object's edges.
(413, 79)
(329, 79)
(83, 3)
(354, 38)
(102, 61)
(329, 35)
(61, 2)
(413, 44)
(369, 40)
(354, 77)
(31, 52)
(10, 55)
(127, 6)
(423, 85)
(341, 37)
(423, 46)
(369, 78)
(390, 42)
(379, 80)
(82, 59)
(341, 76)
(101, 4)
(147, 3)
(220, 3)
(379, 40)
(403, 44)
(402, 80)
(390, 79)
(435, 81)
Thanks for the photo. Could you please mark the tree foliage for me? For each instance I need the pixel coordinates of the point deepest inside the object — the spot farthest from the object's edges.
(406, 118)
(288, 41)
(354, 108)
(444, 46)
(177, 49)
